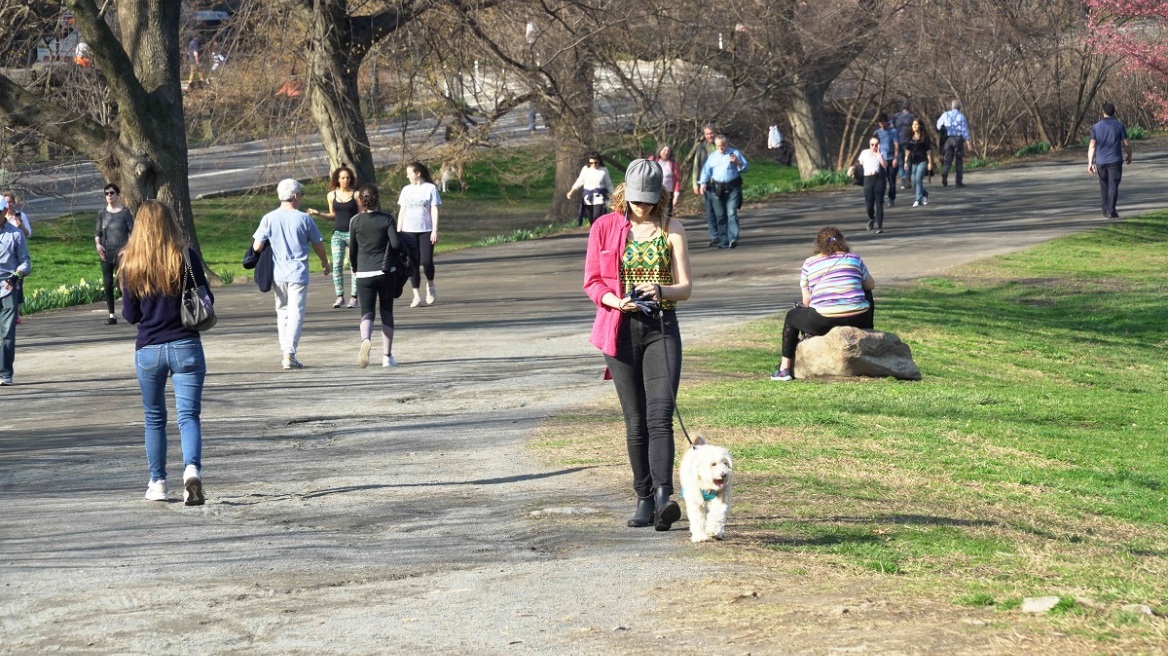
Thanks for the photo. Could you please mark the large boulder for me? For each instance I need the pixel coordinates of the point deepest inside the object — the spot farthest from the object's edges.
(847, 351)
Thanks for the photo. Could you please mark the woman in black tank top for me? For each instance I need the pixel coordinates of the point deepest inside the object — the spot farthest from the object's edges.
(342, 202)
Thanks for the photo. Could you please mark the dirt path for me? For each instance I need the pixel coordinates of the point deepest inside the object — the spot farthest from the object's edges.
(376, 511)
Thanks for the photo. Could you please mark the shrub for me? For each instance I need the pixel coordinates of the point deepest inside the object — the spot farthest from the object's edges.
(1135, 133)
(39, 300)
(1033, 149)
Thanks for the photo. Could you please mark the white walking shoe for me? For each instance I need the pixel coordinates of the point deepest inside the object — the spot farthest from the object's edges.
(156, 490)
(388, 361)
(417, 300)
(193, 486)
(363, 354)
(431, 293)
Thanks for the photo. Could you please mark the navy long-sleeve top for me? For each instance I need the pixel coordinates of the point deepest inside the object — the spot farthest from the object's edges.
(159, 317)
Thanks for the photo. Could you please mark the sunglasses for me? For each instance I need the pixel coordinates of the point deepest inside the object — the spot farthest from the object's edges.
(111, 193)
(642, 203)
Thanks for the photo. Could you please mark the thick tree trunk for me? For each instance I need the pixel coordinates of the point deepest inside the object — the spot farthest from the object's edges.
(571, 119)
(808, 133)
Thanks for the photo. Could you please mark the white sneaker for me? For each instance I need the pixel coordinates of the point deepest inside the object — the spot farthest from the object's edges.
(156, 490)
(916, 203)
(193, 486)
(417, 300)
(925, 201)
(388, 361)
(363, 354)
(290, 362)
(431, 293)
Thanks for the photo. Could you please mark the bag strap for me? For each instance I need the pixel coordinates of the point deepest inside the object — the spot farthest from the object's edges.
(188, 270)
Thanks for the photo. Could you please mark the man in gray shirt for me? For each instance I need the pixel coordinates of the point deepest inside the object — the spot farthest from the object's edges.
(289, 232)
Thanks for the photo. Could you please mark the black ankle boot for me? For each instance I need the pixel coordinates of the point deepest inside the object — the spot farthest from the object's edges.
(644, 515)
(666, 511)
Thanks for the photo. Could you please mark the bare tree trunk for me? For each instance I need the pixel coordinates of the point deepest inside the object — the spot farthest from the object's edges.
(808, 133)
(571, 119)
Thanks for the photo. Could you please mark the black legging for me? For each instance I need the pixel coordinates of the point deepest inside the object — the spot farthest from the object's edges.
(808, 320)
(108, 269)
(422, 251)
(874, 197)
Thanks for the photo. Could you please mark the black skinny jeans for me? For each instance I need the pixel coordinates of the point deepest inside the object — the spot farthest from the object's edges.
(422, 251)
(108, 269)
(376, 290)
(646, 383)
(808, 320)
(874, 197)
(1109, 177)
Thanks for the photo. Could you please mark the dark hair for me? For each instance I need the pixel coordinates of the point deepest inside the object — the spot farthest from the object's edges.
(114, 187)
(369, 197)
(882, 117)
(830, 240)
(422, 171)
(335, 178)
(1108, 109)
(595, 156)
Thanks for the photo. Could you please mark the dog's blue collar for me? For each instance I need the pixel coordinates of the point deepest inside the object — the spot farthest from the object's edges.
(708, 495)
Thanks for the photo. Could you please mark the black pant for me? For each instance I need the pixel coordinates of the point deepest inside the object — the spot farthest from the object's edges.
(108, 270)
(422, 252)
(646, 371)
(953, 150)
(890, 175)
(379, 290)
(809, 321)
(874, 197)
(590, 212)
(1109, 177)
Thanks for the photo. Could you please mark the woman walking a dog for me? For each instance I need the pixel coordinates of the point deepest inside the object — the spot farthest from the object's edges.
(837, 291)
(637, 254)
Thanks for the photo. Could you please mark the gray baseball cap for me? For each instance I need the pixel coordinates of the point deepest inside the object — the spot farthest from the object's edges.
(643, 182)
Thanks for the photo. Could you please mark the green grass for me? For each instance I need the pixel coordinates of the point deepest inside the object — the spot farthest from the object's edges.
(1030, 459)
(1039, 148)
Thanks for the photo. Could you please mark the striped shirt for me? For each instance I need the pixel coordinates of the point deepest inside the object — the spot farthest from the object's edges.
(835, 282)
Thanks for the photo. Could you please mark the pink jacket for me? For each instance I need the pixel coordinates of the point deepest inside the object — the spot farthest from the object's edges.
(606, 246)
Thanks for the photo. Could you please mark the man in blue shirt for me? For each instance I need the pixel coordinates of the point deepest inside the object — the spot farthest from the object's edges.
(721, 176)
(15, 264)
(288, 232)
(889, 149)
(1106, 155)
(956, 128)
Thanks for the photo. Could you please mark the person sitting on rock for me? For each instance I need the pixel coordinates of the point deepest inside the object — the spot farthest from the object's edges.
(837, 291)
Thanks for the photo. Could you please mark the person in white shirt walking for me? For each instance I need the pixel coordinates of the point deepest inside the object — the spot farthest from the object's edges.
(597, 186)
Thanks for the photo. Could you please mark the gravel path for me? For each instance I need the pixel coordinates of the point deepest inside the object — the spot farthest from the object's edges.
(389, 511)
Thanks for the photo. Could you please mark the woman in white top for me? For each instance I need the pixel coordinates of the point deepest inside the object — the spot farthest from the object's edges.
(597, 186)
(874, 183)
(418, 223)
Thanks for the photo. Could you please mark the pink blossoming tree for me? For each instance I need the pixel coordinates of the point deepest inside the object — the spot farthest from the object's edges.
(1135, 30)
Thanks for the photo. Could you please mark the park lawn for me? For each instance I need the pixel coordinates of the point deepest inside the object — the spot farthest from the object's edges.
(506, 200)
(1031, 460)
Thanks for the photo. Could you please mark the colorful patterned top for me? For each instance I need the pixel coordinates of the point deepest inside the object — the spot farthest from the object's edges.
(648, 261)
(835, 282)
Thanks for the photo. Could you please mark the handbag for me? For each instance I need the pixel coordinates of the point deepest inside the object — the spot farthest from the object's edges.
(198, 313)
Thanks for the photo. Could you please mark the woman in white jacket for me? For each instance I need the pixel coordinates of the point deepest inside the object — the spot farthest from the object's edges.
(597, 186)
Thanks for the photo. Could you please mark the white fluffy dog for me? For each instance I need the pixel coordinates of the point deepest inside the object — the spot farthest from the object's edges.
(705, 487)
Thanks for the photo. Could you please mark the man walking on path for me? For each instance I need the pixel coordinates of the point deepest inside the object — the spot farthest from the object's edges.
(1108, 152)
(902, 121)
(721, 181)
(701, 150)
(288, 232)
(890, 151)
(956, 128)
(14, 266)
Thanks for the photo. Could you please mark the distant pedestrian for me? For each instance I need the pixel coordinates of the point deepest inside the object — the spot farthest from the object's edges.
(155, 264)
(902, 121)
(342, 204)
(701, 150)
(1108, 151)
(15, 215)
(371, 234)
(114, 225)
(596, 186)
(956, 129)
(890, 150)
(722, 176)
(875, 178)
(289, 233)
(918, 149)
(671, 177)
(194, 60)
(417, 221)
(15, 264)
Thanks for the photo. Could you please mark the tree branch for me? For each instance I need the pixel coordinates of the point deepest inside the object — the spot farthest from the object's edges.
(76, 131)
(111, 58)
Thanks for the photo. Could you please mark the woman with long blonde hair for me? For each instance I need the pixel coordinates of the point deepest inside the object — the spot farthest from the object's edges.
(637, 253)
(152, 271)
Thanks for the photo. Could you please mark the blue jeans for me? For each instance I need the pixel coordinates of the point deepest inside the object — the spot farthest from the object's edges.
(726, 214)
(711, 218)
(918, 178)
(7, 334)
(183, 361)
